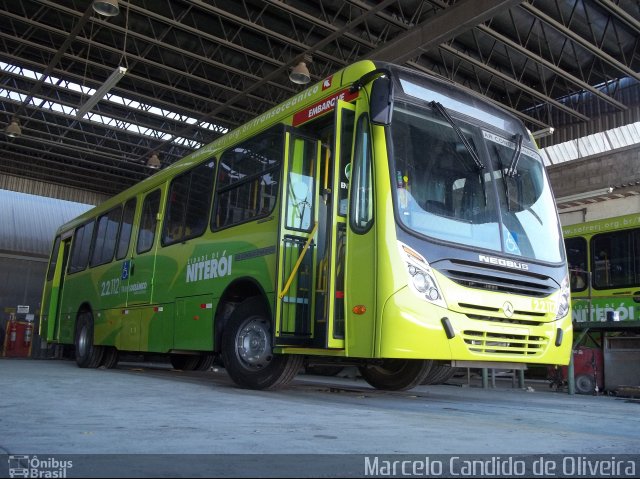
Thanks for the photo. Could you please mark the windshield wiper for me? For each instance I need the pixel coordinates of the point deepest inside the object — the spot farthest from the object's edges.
(511, 171)
(474, 155)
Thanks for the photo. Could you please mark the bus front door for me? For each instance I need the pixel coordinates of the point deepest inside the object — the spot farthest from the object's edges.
(298, 236)
(337, 166)
(310, 307)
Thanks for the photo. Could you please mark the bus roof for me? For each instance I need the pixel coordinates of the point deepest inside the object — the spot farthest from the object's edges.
(319, 91)
(277, 114)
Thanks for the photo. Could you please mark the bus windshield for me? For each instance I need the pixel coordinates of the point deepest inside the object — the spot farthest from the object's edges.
(488, 192)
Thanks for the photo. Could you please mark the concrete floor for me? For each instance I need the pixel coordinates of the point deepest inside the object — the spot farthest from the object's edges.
(53, 407)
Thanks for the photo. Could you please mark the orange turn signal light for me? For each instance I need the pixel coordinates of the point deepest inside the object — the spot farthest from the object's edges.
(359, 309)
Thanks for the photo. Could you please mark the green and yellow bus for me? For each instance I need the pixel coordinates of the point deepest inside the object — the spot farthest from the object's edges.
(381, 218)
(604, 264)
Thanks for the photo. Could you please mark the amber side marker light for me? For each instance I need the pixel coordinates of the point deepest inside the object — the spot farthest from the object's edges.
(359, 309)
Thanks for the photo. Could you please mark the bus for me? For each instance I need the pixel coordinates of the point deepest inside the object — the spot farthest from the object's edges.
(604, 264)
(381, 218)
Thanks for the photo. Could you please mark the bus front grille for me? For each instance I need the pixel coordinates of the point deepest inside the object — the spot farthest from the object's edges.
(494, 315)
(500, 344)
(490, 278)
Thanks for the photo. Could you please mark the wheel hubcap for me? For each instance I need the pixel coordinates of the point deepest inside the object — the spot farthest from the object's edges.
(253, 344)
(82, 341)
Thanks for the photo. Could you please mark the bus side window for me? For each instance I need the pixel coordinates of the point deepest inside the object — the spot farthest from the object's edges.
(188, 202)
(177, 198)
(54, 259)
(615, 258)
(124, 236)
(361, 206)
(577, 259)
(148, 222)
(199, 202)
(105, 238)
(301, 194)
(81, 247)
(248, 179)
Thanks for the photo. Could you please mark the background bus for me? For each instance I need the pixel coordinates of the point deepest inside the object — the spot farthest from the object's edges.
(381, 217)
(604, 264)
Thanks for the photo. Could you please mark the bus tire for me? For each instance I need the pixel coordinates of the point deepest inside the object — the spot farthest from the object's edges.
(446, 375)
(88, 355)
(205, 362)
(440, 373)
(109, 358)
(396, 374)
(184, 362)
(585, 384)
(247, 349)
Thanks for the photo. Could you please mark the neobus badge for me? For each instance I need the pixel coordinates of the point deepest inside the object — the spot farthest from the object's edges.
(503, 262)
(208, 267)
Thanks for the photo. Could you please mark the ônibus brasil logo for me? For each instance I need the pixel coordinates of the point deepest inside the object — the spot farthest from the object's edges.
(32, 466)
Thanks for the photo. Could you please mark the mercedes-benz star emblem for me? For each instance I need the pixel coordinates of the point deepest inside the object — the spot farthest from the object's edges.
(507, 308)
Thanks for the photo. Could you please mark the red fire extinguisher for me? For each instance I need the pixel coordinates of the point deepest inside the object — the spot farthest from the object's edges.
(28, 334)
(13, 334)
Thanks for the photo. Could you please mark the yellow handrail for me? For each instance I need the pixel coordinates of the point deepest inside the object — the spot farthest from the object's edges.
(300, 258)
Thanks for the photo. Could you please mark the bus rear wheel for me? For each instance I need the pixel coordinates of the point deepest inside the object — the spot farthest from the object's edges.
(205, 362)
(88, 355)
(184, 362)
(247, 350)
(109, 358)
(396, 374)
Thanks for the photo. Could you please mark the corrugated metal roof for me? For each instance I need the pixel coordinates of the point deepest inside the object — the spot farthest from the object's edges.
(28, 222)
(592, 144)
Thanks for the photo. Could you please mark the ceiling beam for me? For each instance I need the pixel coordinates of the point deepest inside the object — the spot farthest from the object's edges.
(602, 55)
(282, 69)
(554, 68)
(317, 21)
(513, 81)
(56, 59)
(143, 61)
(440, 28)
(51, 172)
(130, 94)
(64, 166)
(621, 14)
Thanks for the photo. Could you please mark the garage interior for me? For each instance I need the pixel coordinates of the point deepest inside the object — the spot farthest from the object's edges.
(92, 102)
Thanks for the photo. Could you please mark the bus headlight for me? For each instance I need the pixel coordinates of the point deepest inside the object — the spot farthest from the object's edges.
(421, 278)
(421, 282)
(563, 300)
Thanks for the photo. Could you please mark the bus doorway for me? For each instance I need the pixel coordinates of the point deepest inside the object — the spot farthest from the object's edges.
(55, 283)
(298, 230)
(310, 307)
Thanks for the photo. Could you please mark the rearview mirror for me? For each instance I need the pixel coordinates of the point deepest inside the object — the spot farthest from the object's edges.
(381, 101)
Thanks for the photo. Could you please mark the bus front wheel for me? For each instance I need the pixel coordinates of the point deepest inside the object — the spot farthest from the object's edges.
(439, 373)
(88, 355)
(396, 374)
(247, 349)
